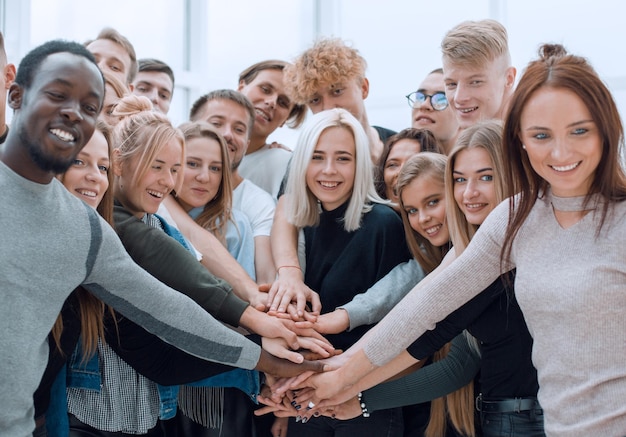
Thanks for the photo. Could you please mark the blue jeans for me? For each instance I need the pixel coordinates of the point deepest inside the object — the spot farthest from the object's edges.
(513, 424)
(382, 423)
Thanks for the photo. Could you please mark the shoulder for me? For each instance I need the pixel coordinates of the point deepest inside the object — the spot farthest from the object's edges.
(253, 193)
(383, 212)
(384, 133)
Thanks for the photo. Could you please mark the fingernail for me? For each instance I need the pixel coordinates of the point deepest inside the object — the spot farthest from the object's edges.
(297, 407)
(316, 414)
(294, 403)
(304, 420)
(298, 419)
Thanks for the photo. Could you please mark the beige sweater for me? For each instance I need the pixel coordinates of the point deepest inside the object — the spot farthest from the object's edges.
(571, 287)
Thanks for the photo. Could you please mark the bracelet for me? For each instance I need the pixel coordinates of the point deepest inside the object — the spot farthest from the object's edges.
(284, 267)
(362, 404)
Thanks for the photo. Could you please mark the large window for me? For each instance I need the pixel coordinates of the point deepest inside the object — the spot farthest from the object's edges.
(208, 42)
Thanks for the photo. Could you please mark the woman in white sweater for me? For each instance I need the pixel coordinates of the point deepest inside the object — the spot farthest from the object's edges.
(564, 233)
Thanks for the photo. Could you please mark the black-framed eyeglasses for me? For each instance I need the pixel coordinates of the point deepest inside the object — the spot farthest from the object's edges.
(438, 100)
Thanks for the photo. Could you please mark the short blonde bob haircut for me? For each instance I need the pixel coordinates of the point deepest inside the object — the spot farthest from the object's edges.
(302, 207)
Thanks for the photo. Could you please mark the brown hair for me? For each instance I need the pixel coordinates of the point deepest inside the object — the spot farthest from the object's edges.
(216, 214)
(119, 39)
(151, 64)
(557, 69)
(298, 112)
(329, 61)
(224, 94)
(427, 141)
(91, 309)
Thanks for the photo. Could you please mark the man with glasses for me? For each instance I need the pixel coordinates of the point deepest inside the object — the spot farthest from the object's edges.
(432, 111)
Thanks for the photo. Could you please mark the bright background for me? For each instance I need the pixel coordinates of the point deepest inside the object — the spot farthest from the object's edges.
(208, 42)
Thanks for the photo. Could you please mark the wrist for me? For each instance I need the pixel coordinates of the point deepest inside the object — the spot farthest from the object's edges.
(289, 269)
(361, 400)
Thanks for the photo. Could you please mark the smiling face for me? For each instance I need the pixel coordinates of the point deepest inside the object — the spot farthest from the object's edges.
(145, 194)
(156, 86)
(443, 124)
(56, 115)
(478, 93)
(563, 143)
(271, 104)
(203, 173)
(231, 120)
(87, 178)
(111, 57)
(330, 174)
(423, 199)
(474, 187)
(398, 155)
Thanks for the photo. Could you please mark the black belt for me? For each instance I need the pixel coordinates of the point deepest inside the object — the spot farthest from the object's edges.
(506, 405)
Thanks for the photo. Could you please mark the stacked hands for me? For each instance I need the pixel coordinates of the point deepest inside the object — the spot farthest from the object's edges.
(304, 391)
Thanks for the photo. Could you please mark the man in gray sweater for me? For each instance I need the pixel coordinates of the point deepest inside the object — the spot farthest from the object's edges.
(52, 242)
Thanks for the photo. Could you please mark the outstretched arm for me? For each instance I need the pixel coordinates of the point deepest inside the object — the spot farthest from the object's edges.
(215, 257)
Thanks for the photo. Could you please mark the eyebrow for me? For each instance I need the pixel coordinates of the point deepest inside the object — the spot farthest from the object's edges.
(576, 123)
(67, 83)
(480, 170)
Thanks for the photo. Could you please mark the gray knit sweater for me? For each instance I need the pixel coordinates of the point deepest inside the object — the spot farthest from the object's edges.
(571, 287)
(51, 242)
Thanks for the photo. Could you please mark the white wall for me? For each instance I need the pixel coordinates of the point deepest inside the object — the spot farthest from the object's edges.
(399, 38)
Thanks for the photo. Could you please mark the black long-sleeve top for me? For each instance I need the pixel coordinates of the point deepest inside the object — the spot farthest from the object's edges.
(494, 318)
(341, 264)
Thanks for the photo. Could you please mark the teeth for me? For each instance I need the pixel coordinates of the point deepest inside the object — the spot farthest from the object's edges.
(465, 111)
(62, 135)
(262, 114)
(87, 193)
(433, 229)
(474, 205)
(155, 193)
(566, 167)
(329, 184)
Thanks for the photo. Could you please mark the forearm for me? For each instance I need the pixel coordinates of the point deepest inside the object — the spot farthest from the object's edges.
(215, 257)
(437, 379)
(284, 238)
(263, 261)
(370, 307)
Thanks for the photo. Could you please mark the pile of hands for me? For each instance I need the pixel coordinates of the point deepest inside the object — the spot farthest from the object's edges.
(314, 387)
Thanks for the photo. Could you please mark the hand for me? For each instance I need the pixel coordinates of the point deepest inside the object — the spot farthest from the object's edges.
(279, 348)
(279, 367)
(348, 410)
(279, 427)
(267, 326)
(289, 287)
(333, 322)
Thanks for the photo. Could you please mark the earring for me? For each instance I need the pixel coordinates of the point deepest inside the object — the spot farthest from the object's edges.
(524, 146)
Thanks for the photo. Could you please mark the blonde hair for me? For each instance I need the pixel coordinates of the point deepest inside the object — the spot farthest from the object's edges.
(301, 206)
(330, 61)
(458, 406)
(488, 135)
(216, 213)
(143, 132)
(476, 43)
(423, 165)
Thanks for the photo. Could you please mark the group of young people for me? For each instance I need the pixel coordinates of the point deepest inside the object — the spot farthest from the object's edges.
(467, 267)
